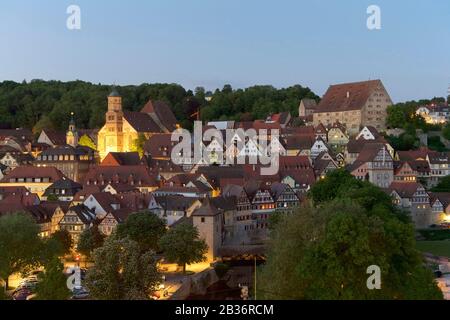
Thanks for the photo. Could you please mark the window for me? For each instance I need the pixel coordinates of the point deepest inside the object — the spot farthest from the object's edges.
(203, 220)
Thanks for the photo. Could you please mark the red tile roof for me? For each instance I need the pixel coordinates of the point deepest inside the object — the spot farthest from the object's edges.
(443, 197)
(405, 189)
(86, 192)
(356, 146)
(141, 122)
(138, 176)
(409, 155)
(304, 177)
(307, 131)
(260, 125)
(121, 159)
(106, 200)
(299, 142)
(162, 112)
(25, 172)
(135, 201)
(347, 96)
(294, 163)
(320, 129)
(56, 137)
(370, 151)
(159, 146)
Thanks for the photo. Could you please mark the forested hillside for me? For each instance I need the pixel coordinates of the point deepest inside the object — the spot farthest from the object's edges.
(47, 104)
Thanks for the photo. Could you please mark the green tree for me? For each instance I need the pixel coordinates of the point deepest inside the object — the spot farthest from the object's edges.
(446, 131)
(43, 123)
(85, 141)
(138, 144)
(443, 185)
(19, 244)
(336, 182)
(435, 143)
(122, 272)
(324, 253)
(56, 246)
(183, 246)
(404, 142)
(53, 284)
(90, 239)
(64, 239)
(275, 218)
(143, 227)
(52, 198)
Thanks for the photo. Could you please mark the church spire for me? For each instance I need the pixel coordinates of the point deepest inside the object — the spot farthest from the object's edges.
(72, 134)
(72, 122)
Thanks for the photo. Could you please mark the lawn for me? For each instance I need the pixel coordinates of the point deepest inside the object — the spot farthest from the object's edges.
(438, 248)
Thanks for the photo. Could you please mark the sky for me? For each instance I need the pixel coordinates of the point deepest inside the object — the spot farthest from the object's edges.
(211, 43)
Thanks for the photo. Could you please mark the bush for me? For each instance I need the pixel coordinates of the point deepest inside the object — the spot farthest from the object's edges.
(434, 143)
(435, 235)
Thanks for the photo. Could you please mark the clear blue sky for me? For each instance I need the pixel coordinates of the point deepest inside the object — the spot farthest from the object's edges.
(242, 42)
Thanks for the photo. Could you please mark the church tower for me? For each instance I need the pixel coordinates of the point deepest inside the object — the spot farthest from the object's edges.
(111, 139)
(72, 134)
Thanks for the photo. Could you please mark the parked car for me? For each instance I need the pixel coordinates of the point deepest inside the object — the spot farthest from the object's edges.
(31, 278)
(80, 293)
(21, 294)
(28, 284)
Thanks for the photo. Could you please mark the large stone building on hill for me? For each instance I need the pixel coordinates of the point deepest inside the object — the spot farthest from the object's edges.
(354, 105)
(122, 128)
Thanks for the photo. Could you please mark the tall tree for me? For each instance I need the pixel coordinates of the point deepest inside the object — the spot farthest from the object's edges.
(143, 227)
(324, 253)
(183, 246)
(64, 238)
(90, 239)
(122, 271)
(56, 246)
(53, 284)
(19, 244)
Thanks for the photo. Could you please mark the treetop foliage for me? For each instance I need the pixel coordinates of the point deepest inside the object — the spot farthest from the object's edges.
(48, 104)
(122, 271)
(324, 249)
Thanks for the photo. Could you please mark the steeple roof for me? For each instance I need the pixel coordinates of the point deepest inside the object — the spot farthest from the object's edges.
(207, 209)
(72, 120)
(114, 92)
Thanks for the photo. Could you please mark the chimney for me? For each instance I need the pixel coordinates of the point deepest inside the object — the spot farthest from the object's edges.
(348, 94)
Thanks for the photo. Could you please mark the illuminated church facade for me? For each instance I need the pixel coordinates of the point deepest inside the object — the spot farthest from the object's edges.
(123, 128)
